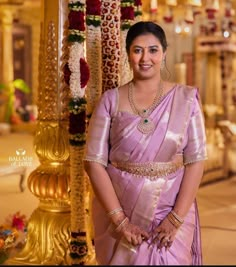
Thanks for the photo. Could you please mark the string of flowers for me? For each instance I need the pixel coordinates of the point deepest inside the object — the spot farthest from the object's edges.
(138, 10)
(76, 74)
(127, 19)
(94, 52)
(94, 86)
(110, 33)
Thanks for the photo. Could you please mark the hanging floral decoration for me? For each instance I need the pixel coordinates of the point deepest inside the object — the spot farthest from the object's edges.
(127, 13)
(127, 19)
(76, 75)
(137, 8)
(94, 52)
(93, 13)
(110, 34)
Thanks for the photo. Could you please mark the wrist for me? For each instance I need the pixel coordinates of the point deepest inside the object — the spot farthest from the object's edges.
(175, 219)
(116, 215)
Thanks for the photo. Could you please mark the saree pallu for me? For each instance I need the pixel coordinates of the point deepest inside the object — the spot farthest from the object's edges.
(114, 141)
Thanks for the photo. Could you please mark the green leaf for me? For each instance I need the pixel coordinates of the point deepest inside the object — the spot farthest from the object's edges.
(21, 85)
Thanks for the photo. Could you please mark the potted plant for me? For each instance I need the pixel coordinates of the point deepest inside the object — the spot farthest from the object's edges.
(9, 90)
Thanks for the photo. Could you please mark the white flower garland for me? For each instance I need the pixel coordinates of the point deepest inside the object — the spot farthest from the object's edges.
(76, 52)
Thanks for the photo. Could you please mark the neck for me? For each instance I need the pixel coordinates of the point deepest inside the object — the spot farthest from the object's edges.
(151, 85)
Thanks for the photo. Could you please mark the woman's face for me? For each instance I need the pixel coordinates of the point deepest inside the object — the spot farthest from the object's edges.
(145, 56)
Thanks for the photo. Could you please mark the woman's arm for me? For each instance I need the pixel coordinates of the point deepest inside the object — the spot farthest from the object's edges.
(167, 230)
(102, 186)
(104, 191)
(189, 187)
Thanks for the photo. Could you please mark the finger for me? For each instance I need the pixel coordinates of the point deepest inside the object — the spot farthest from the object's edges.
(169, 243)
(145, 235)
(163, 243)
(134, 240)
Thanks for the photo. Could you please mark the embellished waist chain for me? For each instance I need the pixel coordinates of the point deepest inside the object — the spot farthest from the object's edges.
(151, 169)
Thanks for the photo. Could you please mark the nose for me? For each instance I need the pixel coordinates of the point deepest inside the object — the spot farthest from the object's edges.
(145, 55)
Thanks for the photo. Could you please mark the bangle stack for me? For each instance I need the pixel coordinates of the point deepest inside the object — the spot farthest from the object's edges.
(175, 219)
(123, 222)
(115, 211)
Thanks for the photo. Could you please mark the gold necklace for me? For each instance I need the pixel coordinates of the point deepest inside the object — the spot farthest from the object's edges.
(145, 125)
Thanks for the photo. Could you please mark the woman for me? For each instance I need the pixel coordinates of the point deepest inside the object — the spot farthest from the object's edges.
(145, 157)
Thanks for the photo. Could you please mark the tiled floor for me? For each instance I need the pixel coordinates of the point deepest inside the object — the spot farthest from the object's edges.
(216, 202)
(217, 208)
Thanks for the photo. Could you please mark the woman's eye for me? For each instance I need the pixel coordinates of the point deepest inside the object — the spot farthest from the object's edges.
(153, 50)
(137, 50)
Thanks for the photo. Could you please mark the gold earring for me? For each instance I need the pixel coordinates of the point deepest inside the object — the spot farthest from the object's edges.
(162, 64)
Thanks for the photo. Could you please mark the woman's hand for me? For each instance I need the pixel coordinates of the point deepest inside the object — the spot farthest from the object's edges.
(132, 233)
(164, 234)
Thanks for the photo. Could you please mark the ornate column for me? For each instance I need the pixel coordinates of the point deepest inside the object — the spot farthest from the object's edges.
(7, 12)
(48, 234)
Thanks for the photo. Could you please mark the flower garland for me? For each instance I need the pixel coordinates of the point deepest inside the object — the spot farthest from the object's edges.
(110, 34)
(76, 75)
(127, 19)
(94, 52)
(138, 9)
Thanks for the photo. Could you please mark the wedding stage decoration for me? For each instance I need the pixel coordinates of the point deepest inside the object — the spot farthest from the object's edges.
(12, 235)
(77, 76)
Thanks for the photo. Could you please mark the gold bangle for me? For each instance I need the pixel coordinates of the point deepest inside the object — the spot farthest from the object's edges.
(173, 220)
(118, 228)
(181, 220)
(115, 211)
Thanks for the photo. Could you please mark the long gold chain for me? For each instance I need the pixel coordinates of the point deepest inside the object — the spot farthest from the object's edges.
(146, 111)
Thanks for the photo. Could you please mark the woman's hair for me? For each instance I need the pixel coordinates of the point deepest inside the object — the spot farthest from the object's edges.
(145, 27)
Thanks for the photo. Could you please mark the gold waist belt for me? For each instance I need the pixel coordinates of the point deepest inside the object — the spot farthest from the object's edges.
(151, 169)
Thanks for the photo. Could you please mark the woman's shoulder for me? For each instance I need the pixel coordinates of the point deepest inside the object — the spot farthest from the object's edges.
(187, 90)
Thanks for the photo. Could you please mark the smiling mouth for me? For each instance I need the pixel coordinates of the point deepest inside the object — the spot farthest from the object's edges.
(145, 67)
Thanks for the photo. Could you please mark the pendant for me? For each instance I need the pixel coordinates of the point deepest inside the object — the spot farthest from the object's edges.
(146, 126)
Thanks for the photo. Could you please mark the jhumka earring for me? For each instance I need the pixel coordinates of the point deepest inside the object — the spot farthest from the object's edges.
(163, 64)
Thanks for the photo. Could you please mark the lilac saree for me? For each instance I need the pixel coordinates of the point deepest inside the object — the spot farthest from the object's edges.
(146, 172)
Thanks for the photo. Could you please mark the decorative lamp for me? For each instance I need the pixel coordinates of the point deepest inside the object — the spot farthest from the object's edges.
(171, 2)
(153, 6)
(212, 6)
(168, 16)
(194, 2)
(189, 15)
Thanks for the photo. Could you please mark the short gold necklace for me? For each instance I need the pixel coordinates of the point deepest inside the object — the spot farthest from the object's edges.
(145, 125)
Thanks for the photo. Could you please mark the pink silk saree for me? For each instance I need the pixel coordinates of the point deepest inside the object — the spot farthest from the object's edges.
(179, 136)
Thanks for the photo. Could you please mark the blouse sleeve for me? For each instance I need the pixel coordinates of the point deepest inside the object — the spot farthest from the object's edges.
(97, 140)
(195, 149)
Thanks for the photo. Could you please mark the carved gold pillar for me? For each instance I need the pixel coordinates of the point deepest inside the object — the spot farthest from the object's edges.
(48, 228)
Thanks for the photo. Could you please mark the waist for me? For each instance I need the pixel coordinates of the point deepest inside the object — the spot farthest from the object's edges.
(150, 169)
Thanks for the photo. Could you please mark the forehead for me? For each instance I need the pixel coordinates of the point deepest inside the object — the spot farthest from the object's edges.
(146, 40)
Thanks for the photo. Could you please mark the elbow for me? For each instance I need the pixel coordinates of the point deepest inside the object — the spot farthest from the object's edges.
(92, 167)
(87, 166)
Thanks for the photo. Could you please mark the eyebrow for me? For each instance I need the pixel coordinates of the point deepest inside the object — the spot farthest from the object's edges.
(151, 46)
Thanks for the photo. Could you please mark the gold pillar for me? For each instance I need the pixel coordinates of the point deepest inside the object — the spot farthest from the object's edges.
(7, 13)
(48, 235)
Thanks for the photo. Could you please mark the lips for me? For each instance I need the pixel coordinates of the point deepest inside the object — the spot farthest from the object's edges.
(145, 66)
